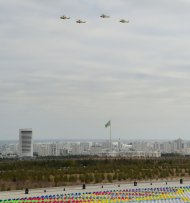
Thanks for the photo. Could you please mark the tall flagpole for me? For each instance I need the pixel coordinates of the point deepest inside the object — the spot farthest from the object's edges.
(108, 124)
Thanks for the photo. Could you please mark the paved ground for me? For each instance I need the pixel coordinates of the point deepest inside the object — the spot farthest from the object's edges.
(89, 188)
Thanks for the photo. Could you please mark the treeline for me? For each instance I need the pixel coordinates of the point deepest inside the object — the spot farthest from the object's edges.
(48, 173)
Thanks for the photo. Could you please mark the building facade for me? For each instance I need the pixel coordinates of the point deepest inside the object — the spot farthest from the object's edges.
(25, 143)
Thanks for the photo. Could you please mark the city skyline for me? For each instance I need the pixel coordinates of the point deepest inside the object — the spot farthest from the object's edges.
(117, 148)
(65, 79)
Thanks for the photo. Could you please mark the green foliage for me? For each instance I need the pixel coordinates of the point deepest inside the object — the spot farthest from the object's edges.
(110, 178)
(15, 174)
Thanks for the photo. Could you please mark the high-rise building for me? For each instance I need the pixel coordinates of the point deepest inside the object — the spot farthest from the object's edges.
(25, 143)
(54, 149)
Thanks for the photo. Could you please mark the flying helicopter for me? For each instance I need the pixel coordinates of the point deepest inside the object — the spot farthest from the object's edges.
(64, 17)
(124, 21)
(80, 21)
(104, 16)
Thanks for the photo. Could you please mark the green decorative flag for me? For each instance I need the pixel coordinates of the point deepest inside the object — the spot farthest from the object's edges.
(108, 124)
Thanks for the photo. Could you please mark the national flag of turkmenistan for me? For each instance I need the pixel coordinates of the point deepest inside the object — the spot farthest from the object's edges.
(108, 124)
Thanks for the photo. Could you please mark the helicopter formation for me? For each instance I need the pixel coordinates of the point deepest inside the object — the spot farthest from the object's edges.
(102, 16)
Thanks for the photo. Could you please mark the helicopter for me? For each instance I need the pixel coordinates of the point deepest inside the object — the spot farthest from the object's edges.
(80, 21)
(124, 21)
(64, 17)
(104, 16)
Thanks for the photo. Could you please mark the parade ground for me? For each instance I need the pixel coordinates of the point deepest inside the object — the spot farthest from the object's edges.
(170, 191)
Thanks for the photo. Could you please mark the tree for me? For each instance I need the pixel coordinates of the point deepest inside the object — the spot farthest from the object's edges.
(109, 178)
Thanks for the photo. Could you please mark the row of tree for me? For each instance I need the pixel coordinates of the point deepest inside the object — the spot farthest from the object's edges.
(45, 173)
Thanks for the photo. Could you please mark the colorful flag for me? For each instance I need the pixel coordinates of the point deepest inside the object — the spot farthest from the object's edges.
(108, 124)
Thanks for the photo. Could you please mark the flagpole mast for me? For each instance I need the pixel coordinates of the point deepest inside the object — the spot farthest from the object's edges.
(108, 124)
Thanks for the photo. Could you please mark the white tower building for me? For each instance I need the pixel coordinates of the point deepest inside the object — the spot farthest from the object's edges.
(25, 143)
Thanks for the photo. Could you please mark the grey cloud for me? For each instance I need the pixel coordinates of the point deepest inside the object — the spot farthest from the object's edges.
(61, 71)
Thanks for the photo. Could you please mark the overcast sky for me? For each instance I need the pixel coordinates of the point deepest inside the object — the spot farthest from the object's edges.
(66, 80)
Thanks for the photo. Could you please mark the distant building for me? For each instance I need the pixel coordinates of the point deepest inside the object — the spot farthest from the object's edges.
(25, 143)
(54, 149)
(75, 148)
(84, 147)
(180, 145)
(41, 149)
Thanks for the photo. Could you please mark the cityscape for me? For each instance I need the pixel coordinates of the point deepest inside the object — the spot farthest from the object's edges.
(94, 101)
(27, 146)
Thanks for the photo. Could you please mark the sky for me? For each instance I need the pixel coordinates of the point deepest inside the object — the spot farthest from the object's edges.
(66, 80)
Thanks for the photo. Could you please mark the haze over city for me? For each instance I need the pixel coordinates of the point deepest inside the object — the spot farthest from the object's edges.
(66, 80)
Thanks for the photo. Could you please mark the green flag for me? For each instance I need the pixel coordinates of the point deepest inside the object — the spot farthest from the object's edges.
(108, 124)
